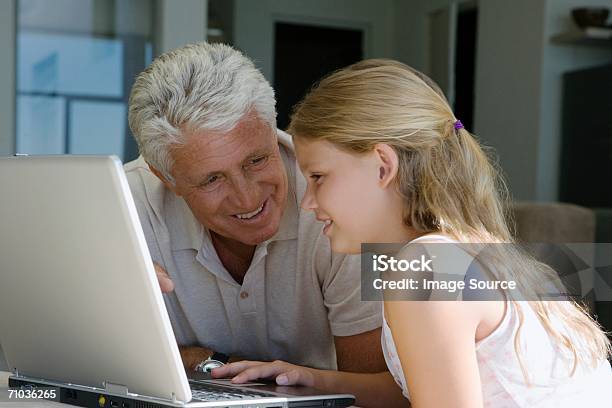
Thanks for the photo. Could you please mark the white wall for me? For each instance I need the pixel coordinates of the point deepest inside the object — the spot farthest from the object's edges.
(134, 17)
(7, 77)
(180, 23)
(65, 15)
(254, 24)
(508, 87)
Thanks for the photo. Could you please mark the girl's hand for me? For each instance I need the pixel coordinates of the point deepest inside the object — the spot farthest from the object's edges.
(283, 373)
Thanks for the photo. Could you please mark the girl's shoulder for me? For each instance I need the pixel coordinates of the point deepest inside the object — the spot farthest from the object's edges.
(452, 261)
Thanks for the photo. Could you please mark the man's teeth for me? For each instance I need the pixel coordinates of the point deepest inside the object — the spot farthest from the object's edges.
(251, 214)
(328, 222)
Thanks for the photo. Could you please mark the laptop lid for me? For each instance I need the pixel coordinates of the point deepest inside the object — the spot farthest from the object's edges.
(79, 300)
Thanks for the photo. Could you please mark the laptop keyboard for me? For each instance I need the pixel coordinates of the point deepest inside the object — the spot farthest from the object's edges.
(212, 392)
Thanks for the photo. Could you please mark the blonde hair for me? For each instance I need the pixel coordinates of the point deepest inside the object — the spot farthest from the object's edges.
(446, 178)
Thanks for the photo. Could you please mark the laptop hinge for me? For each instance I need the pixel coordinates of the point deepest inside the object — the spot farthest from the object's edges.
(116, 389)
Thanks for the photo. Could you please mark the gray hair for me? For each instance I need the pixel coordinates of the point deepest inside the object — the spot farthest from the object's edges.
(196, 87)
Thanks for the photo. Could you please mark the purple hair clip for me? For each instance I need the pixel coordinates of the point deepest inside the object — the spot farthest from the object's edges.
(458, 125)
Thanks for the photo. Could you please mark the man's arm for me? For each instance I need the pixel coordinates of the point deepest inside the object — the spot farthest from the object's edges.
(355, 324)
(361, 353)
(191, 355)
(370, 390)
(194, 355)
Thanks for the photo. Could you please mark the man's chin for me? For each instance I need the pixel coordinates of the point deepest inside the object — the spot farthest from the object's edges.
(260, 237)
(261, 234)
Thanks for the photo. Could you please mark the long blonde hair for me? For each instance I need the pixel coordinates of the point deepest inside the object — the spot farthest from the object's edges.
(448, 181)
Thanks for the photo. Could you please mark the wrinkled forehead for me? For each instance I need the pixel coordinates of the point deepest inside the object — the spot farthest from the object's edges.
(212, 150)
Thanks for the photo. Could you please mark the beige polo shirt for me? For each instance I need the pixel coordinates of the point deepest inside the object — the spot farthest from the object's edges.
(296, 294)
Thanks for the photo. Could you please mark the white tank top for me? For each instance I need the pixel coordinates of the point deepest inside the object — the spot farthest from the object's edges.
(547, 366)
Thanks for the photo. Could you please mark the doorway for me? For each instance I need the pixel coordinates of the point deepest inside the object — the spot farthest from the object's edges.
(303, 54)
(465, 64)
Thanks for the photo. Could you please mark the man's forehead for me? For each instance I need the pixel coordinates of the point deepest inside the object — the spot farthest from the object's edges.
(247, 131)
(206, 148)
(210, 143)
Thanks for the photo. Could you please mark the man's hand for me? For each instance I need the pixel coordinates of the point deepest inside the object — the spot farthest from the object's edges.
(165, 283)
(283, 373)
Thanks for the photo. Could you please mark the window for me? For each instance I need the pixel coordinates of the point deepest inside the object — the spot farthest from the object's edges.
(76, 61)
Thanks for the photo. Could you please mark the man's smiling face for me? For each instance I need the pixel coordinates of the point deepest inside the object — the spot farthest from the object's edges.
(234, 182)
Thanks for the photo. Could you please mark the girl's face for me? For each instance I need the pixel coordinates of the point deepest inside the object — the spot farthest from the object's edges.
(345, 192)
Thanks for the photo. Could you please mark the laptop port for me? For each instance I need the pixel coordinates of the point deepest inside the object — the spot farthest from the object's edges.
(125, 405)
(71, 394)
(114, 404)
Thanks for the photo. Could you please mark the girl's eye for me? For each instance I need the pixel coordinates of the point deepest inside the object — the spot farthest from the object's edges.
(316, 177)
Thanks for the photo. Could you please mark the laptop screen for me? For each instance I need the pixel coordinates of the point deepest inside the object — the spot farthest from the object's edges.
(79, 301)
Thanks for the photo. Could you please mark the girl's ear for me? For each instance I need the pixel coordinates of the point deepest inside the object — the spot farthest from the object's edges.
(388, 163)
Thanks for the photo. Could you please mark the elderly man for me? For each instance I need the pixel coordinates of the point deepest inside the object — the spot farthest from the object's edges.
(218, 190)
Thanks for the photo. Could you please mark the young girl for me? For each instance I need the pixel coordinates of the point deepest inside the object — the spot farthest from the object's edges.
(387, 161)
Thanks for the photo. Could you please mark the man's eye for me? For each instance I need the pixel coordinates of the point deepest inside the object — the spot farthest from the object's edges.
(258, 160)
(316, 177)
(210, 181)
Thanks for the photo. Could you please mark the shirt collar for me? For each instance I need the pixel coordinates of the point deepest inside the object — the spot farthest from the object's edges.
(185, 230)
(288, 228)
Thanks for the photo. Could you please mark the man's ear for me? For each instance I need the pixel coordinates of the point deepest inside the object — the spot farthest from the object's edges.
(388, 164)
(169, 185)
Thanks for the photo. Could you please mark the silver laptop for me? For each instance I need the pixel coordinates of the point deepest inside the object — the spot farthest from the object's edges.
(81, 312)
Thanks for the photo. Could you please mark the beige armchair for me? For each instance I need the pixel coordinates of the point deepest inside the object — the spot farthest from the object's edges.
(553, 222)
(558, 223)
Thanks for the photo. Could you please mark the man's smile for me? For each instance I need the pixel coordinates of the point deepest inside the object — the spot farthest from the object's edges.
(255, 216)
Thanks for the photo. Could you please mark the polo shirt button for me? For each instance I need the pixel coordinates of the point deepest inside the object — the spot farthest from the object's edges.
(244, 295)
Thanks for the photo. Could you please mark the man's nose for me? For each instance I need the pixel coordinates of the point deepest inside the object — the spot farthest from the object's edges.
(246, 193)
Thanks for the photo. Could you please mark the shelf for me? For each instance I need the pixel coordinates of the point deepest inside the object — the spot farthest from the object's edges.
(581, 38)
